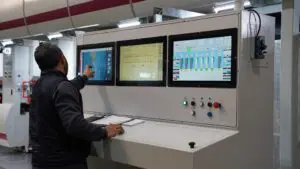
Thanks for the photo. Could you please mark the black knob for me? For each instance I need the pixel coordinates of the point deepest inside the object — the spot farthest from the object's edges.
(192, 144)
(209, 104)
(193, 103)
(202, 104)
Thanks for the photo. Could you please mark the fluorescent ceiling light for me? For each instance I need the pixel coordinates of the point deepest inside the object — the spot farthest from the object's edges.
(88, 26)
(55, 36)
(7, 42)
(191, 15)
(41, 34)
(228, 6)
(80, 32)
(129, 23)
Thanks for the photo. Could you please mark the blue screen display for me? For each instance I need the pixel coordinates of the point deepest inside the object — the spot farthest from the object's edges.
(101, 62)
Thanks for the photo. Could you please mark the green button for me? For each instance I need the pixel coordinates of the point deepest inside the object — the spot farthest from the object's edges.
(184, 103)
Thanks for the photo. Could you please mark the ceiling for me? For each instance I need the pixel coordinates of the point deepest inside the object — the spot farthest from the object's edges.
(206, 9)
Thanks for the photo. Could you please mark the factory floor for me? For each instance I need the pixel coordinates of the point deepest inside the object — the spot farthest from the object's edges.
(298, 157)
(10, 159)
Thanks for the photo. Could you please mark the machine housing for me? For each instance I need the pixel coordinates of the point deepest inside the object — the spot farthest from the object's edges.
(240, 136)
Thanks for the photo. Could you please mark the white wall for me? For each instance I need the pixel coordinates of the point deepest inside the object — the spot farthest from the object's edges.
(277, 104)
(68, 46)
(298, 43)
(22, 62)
(34, 69)
(1, 65)
(21, 70)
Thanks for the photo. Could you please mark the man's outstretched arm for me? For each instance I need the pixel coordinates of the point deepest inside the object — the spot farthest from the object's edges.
(80, 81)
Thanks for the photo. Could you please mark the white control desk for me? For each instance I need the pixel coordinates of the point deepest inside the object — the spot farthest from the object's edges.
(157, 145)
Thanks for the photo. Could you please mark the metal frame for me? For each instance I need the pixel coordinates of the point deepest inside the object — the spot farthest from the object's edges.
(206, 35)
(289, 84)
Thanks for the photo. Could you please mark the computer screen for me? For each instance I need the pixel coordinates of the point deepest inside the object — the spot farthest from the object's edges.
(101, 60)
(142, 62)
(204, 60)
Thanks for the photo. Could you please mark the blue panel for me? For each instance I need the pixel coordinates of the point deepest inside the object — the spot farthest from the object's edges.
(101, 62)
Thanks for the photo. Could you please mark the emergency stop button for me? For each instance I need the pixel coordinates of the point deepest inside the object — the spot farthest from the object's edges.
(217, 105)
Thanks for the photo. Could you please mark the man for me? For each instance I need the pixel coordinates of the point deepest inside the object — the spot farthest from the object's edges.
(60, 136)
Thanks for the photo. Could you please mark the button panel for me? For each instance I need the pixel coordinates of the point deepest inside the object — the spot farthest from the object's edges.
(209, 106)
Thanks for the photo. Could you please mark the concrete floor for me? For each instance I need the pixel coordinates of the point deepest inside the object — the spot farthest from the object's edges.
(298, 156)
(10, 159)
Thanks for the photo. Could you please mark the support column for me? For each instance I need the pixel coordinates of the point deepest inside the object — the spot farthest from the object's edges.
(289, 85)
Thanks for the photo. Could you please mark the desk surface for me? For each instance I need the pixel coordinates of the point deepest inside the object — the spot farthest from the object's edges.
(174, 136)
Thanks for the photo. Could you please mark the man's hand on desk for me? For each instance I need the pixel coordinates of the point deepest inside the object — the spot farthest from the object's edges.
(113, 130)
(88, 71)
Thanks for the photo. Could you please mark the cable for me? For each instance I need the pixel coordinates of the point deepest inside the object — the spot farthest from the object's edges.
(70, 15)
(25, 20)
(132, 8)
(259, 18)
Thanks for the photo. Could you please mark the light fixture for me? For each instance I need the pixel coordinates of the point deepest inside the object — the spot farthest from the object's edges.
(88, 26)
(80, 32)
(7, 51)
(55, 36)
(7, 42)
(228, 6)
(129, 23)
(40, 34)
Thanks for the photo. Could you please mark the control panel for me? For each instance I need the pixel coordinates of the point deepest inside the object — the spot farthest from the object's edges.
(204, 106)
(208, 106)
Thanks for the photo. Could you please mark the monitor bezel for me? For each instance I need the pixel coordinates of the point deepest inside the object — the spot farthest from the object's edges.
(233, 32)
(95, 46)
(143, 41)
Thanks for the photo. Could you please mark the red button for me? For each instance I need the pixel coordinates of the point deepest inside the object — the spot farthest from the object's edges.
(217, 105)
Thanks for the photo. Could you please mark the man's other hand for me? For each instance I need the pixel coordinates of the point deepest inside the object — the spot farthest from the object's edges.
(113, 130)
(88, 72)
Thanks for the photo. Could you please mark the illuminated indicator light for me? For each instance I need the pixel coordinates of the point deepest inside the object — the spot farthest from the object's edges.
(184, 103)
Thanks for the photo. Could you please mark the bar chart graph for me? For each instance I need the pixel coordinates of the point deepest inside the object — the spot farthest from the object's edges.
(202, 60)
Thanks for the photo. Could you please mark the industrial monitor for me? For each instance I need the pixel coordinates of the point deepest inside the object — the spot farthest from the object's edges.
(142, 62)
(205, 59)
(101, 58)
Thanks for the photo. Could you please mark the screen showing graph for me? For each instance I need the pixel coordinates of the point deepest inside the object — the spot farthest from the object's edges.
(206, 59)
(143, 62)
(101, 61)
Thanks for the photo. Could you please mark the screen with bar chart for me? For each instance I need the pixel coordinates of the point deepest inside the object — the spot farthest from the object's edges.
(141, 62)
(101, 60)
(203, 60)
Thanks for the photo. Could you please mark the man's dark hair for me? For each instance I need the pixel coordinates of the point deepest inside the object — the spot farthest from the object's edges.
(47, 56)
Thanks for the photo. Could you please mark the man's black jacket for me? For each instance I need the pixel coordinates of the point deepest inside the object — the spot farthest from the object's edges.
(60, 136)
